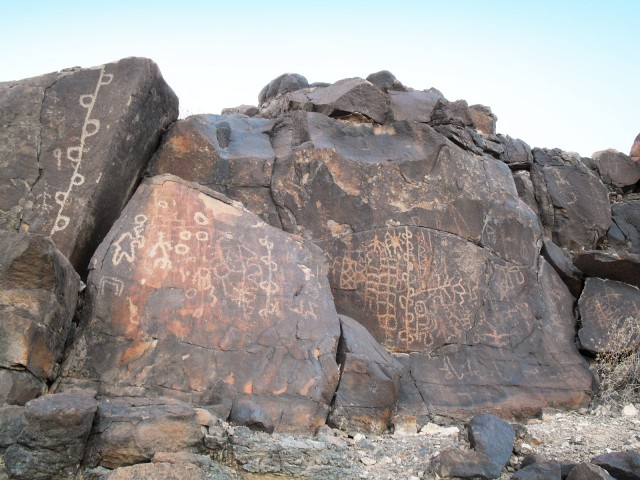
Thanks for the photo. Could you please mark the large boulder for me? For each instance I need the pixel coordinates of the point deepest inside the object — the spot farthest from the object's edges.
(193, 297)
(573, 201)
(609, 311)
(73, 146)
(227, 153)
(635, 149)
(616, 169)
(621, 465)
(53, 440)
(622, 267)
(38, 295)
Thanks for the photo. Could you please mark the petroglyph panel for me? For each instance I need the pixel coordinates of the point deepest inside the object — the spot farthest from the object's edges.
(413, 288)
(610, 312)
(206, 299)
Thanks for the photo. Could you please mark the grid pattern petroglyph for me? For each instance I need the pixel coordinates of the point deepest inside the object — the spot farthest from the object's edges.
(409, 286)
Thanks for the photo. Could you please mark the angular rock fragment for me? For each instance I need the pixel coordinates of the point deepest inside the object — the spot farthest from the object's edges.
(369, 382)
(571, 275)
(621, 465)
(616, 169)
(287, 82)
(414, 105)
(534, 468)
(227, 153)
(609, 311)
(386, 81)
(38, 295)
(74, 145)
(573, 201)
(53, 440)
(517, 154)
(492, 442)
(132, 430)
(248, 110)
(622, 267)
(192, 297)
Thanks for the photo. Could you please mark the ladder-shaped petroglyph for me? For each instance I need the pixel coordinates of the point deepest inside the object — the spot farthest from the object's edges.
(75, 154)
(408, 284)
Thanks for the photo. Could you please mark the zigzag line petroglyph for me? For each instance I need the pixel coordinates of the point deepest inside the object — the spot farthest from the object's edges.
(74, 154)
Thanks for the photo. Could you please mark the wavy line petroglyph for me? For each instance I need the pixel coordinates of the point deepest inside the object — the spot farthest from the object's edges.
(90, 127)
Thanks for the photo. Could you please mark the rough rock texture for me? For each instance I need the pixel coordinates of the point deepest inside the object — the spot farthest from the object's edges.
(73, 147)
(12, 422)
(561, 262)
(369, 382)
(623, 267)
(386, 81)
(616, 169)
(635, 148)
(248, 110)
(625, 230)
(228, 153)
(588, 471)
(534, 468)
(287, 82)
(573, 201)
(192, 297)
(621, 465)
(413, 105)
(491, 441)
(609, 311)
(52, 442)
(38, 295)
(132, 430)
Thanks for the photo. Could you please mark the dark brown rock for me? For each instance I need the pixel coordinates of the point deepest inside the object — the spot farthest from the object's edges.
(538, 469)
(228, 153)
(622, 267)
(491, 440)
(132, 430)
(498, 370)
(620, 465)
(572, 276)
(624, 234)
(369, 382)
(589, 471)
(53, 440)
(386, 81)
(38, 295)
(248, 110)
(73, 147)
(525, 189)
(616, 169)
(287, 82)
(12, 422)
(483, 119)
(609, 311)
(193, 297)
(573, 201)
(413, 105)
(517, 154)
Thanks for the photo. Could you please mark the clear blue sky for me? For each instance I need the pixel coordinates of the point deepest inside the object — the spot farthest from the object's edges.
(557, 73)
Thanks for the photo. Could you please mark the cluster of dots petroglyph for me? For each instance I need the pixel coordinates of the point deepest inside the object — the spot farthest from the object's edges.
(407, 290)
(202, 256)
(74, 154)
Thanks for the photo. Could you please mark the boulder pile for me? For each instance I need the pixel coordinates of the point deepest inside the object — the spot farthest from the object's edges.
(359, 254)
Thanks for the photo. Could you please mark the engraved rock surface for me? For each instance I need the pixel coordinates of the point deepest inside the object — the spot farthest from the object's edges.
(609, 311)
(227, 153)
(616, 169)
(52, 443)
(73, 147)
(369, 382)
(624, 234)
(38, 295)
(191, 296)
(573, 201)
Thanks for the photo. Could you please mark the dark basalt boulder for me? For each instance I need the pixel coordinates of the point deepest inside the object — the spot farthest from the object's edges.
(52, 442)
(622, 267)
(287, 82)
(190, 296)
(589, 471)
(386, 81)
(570, 274)
(624, 233)
(609, 312)
(635, 148)
(38, 295)
(573, 201)
(621, 465)
(616, 169)
(413, 105)
(73, 147)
